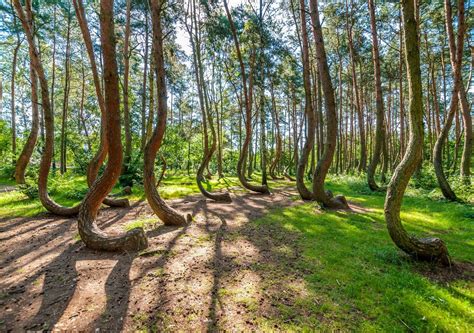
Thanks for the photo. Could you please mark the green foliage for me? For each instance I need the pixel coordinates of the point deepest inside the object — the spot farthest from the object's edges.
(7, 172)
(134, 172)
(30, 189)
(5, 140)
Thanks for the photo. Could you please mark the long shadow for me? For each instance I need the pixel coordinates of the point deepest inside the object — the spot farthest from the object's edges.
(31, 244)
(212, 325)
(60, 284)
(34, 227)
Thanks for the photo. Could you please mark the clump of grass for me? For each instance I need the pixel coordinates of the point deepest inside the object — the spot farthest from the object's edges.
(146, 224)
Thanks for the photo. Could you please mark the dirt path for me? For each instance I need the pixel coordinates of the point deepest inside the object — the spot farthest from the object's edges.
(7, 188)
(220, 272)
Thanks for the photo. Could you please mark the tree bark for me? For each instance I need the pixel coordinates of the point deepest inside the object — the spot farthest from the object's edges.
(47, 155)
(248, 113)
(305, 193)
(168, 215)
(92, 236)
(456, 60)
(126, 107)
(29, 146)
(380, 126)
(360, 117)
(145, 75)
(101, 154)
(428, 248)
(325, 198)
(12, 94)
(278, 142)
(63, 155)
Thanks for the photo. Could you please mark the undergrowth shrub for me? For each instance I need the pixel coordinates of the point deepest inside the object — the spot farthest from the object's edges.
(7, 171)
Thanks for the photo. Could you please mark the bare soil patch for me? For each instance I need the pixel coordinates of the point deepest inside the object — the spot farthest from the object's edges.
(220, 272)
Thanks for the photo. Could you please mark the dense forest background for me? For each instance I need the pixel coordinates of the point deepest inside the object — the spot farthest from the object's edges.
(270, 42)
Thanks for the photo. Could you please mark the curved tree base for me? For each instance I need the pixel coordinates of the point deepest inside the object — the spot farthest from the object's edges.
(218, 197)
(55, 208)
(116, 202)
(96, 239)
(431, 249)
(333, 202)
(287, 176)
(168, 215)
(275, 177)
(263, 189)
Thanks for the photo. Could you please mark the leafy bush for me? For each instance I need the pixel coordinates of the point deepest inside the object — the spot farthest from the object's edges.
(30, 189)
(7, 171)
(134, 174)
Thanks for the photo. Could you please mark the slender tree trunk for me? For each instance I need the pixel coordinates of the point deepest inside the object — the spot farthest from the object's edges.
(92, 236)
(47, 155)
(25, 155)
(427, 248)
(12, 94)
(456, 60)
(360, 117)
(220, 115)
(325, 197)
(309, 114)
(145, 75)
(63, 157)
(467, 121)
(401, 102)
(82, 120)
(126, 106)
(247, 90)
(380, 126)
(101, 154)
(278, 141)
(168, 215)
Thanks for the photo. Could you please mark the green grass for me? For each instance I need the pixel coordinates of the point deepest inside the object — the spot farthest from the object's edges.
(357, 278)
(69, 189)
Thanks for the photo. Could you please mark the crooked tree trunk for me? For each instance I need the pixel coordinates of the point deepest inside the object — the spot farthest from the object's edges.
(248, 113)
(305, 193)
(380, 126)
(92, 236)
(29, 146)
(168, 215)
(47, 155)
(325, 198)
(219, 197)
(428, 248)
(101, 154)
(456, 60)
(207, 120)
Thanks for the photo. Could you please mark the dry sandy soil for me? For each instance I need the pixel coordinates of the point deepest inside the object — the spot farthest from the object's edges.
(220, 272)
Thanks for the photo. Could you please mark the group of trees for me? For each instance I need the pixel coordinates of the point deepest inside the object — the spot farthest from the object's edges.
(264, 86)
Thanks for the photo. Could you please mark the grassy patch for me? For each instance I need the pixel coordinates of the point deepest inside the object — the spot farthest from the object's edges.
(355, 278)
(69, 189)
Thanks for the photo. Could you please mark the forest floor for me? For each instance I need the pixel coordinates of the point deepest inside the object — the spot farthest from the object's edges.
(261, 263)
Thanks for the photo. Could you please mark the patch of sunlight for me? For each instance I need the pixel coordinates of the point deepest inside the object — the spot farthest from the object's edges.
(145, 224)
(436, 311)
(15, 203)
